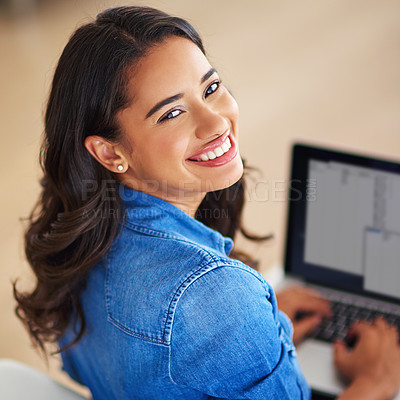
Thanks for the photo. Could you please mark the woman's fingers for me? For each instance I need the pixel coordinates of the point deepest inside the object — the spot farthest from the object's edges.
(359, 328)
(390, 332)
(340, 356)
(376, 355)
(315, 304)
(305, 326)
(296, 300)
(306, 299)
(379, 323)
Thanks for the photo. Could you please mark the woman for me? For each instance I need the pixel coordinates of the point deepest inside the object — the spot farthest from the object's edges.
(141, 138)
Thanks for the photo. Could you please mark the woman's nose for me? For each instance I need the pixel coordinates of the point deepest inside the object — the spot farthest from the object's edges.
(210, 123)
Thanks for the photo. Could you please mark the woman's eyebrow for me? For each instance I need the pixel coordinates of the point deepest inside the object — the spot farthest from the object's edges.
(178, 96)
(208, 74)
(163, 103)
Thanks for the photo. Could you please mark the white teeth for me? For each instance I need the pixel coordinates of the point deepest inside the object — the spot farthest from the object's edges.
(211, 155)
(218, 152)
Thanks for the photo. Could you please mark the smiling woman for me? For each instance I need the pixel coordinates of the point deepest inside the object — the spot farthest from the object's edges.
(132, 236)
(180, 120)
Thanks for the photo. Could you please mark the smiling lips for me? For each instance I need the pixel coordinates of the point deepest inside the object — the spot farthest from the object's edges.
(220, 152)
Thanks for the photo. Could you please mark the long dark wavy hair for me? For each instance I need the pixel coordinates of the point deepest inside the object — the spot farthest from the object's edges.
(65, 237)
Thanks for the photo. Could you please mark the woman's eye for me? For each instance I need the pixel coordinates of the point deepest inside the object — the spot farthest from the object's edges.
(212, 88)
(172, 114)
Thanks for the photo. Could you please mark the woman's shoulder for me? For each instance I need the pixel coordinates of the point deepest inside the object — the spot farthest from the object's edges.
(169, 255)
(146, 277)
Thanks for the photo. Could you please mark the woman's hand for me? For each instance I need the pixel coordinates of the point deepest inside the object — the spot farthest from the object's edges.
(297, 299)
(373, 365)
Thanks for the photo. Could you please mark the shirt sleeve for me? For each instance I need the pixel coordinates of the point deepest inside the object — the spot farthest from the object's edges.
(228, 342)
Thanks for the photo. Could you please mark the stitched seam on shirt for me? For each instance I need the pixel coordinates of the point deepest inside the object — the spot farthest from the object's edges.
(226, 264)
(112, 320)
(169, 367)
(175, 298)
(133, 333)
(178, 213)
(215, 264)
(152, 232)
(168, 319)
(167, 324)
(212, 260)
(171, 309)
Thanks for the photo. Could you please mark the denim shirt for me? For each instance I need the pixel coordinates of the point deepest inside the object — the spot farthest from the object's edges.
(170, 316)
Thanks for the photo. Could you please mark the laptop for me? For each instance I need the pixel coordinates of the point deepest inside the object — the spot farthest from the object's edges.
(343, 238)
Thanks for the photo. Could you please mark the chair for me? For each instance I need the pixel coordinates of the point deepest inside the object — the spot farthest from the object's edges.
(18, 381)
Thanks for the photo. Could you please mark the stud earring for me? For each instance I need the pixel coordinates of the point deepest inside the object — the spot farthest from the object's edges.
(120, 167)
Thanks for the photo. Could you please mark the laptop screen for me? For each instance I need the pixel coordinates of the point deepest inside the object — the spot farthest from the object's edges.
(344, 221)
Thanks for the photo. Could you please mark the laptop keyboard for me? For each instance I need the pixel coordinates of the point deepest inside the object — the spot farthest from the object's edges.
(344, 316)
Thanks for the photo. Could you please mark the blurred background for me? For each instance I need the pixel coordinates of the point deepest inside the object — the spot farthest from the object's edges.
(325, 71)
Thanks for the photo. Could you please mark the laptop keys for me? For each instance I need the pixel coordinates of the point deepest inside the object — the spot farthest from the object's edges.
(346, 315)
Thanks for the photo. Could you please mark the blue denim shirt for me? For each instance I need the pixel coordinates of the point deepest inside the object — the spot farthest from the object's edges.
(170, 316)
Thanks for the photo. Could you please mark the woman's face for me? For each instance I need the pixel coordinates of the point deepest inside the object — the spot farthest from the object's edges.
(179, 133)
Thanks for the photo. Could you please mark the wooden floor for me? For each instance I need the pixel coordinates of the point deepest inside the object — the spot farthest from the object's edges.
(326, 71)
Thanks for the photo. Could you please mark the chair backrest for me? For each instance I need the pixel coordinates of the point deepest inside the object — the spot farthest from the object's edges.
(18, 381)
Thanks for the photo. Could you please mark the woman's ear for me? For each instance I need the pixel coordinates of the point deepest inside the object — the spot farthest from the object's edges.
(106, 153)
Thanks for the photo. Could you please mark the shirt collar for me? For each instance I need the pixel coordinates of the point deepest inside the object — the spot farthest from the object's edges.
(154, 213)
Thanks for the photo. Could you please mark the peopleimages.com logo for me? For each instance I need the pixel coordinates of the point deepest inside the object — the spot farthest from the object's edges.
(262, 190)
(282, 190)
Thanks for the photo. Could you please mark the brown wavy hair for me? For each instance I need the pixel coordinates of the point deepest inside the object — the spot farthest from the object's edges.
(67, 233)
